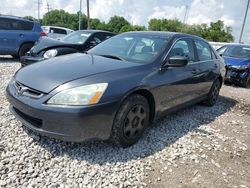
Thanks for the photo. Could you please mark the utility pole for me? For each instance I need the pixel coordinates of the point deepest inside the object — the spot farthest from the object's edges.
(88, 14)
(38, 10)
(185, 16)
(244, 21)
(80, 14)
(48, 7)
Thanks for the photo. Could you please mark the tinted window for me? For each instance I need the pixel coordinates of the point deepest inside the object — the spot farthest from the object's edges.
(203, 50)
(11, 24)
(58, 31)
(183, 47)
(5, 24)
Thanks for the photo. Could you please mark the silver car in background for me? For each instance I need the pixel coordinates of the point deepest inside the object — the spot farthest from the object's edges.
(56, 32)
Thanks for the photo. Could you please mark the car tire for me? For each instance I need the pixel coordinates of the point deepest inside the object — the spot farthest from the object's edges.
(130, 121)
(24, 48)
(213, 94)
(246, 83)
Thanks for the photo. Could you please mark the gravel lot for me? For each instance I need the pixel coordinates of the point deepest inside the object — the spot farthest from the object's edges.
(196, 147)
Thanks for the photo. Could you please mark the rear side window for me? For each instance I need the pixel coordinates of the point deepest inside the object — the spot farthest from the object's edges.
(58, 31)
(5, 24)
(203, 50)
(11, 24)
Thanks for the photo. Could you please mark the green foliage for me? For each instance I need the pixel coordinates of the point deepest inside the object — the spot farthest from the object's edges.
(116, 23)
(31, 18)
(64, 19)
(216, 31)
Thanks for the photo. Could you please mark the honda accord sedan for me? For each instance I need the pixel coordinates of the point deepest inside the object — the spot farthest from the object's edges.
(118, 88)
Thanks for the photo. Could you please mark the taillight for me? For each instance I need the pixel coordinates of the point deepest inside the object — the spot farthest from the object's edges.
(43, 34)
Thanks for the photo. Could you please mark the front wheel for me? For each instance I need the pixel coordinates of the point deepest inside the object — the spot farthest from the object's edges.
(213, 94)
(130, 121)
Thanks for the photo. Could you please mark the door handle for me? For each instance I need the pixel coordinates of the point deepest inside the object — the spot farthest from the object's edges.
(195, 71)
(20, 35)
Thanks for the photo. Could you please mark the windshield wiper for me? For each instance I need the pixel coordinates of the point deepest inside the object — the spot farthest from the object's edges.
(112, 57)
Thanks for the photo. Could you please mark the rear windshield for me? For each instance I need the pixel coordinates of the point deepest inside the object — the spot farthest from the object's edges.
(12, 24)
(77, 37)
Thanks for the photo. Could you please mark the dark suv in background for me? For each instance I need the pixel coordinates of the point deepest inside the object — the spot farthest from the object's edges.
(18, 35)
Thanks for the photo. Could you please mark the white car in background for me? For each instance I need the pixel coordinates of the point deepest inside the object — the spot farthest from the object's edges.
(56, 32)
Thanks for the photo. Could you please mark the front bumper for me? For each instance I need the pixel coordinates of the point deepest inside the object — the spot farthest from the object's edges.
(27, 60)
(74, 124)
(236, 76)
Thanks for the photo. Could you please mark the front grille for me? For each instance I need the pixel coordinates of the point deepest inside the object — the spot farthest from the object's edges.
(26, 91)
(33, 121)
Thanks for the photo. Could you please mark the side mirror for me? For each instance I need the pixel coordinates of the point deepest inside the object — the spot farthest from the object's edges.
(177, 61)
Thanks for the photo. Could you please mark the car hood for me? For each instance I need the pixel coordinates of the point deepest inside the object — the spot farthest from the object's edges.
(236, 61)
(48, 43)
(48, 75)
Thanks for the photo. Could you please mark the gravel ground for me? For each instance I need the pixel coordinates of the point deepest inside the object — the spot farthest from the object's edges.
(196, 147)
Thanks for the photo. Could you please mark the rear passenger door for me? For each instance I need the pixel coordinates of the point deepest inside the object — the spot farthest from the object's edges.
(207, 65)
(8, 36)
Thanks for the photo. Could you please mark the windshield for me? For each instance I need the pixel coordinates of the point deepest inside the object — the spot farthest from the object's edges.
(77, 37)
(138, 48)
(236, 51)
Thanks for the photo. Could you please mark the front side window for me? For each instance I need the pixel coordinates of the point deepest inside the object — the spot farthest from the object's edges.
(138, 48)
(183, 47)
(203, 50)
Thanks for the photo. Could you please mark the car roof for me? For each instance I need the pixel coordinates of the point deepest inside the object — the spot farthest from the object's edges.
(15, 17)
(166, 33)
(96, 31)
(238, 44)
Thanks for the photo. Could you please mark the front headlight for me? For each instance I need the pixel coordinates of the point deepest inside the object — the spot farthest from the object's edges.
(240, 67)
(78, 96)
(50, 53)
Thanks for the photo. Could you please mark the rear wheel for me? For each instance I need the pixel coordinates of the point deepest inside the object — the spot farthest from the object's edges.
(130, 121)
(247, 81)
(213, 94)
(24, 48)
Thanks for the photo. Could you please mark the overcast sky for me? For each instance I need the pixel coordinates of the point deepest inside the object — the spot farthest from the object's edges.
(140, 11)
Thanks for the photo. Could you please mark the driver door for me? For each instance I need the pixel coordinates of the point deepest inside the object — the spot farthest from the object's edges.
(178, 85)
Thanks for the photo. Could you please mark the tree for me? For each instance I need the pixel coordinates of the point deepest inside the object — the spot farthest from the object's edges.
(64, 19)
(116, 23)
(31, 18)
(216, 31)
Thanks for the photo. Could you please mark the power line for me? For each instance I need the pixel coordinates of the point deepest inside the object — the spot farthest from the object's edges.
(244, 21)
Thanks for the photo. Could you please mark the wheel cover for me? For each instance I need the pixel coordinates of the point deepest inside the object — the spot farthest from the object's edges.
(134, 122)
